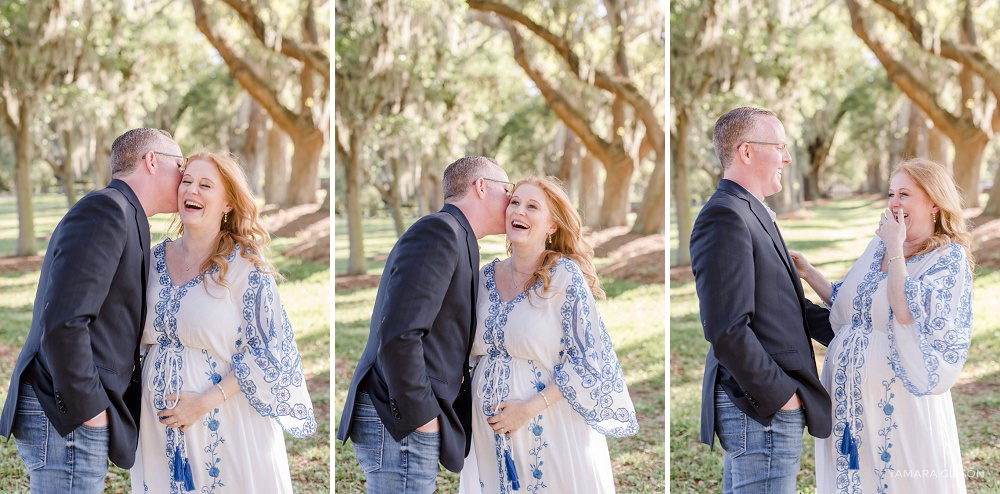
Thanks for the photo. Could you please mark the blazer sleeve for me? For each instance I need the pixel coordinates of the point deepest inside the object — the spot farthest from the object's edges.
(722, 260)
(84, 259)
(928, 354)
(425, 260)
(818, 323)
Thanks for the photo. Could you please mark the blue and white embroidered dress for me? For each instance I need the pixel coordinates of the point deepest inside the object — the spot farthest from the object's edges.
(526, 344)
(890, 382)
(195, 335)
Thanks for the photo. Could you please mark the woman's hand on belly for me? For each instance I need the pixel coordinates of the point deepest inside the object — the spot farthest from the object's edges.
(511, 415)
(190, 408)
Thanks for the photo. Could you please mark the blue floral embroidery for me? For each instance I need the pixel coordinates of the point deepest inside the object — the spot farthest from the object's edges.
(884, 454)
(270, 347)
(536, 429)
(847, 381)
(211, 422)
(581, 351)
(930, 302)
(497, 374)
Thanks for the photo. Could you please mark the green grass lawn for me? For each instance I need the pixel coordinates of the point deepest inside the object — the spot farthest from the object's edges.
(633, 314)
(832, 236)
(304, 294)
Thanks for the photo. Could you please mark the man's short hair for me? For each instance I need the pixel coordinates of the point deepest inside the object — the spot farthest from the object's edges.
(460, 174)
(128, 147)
(732, 129)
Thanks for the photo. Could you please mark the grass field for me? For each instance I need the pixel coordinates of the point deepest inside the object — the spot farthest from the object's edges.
(832, 236)
(304, 293)
(633, 314)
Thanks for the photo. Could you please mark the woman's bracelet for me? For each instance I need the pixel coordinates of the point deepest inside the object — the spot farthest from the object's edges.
(893, 258)
(544, 398)
(224, 397)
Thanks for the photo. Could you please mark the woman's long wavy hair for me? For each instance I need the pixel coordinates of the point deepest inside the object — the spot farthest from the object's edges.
(567, 241)
(937, 183)
(242, 226)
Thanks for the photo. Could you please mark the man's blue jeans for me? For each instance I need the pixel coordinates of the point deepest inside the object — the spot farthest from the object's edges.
(758, 459)
(73, 464)
(390, 466)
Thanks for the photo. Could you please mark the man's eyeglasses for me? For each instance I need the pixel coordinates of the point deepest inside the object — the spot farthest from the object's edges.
(508, 187)
(180, 159)
(781, 147)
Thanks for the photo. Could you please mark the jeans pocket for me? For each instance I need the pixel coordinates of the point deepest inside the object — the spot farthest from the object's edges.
(31, 435)
(92, 445)
(731, 426)
(367, 438)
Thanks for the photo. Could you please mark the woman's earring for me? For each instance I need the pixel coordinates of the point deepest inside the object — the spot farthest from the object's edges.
(225, 216)
(934, 217)
(550, 239)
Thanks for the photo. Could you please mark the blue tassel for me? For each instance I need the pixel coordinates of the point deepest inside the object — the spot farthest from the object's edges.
(852, 458)
(178, 465)
(511, 471)
(845, 444)
(188, 480)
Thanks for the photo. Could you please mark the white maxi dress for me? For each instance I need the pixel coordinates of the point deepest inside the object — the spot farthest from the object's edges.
(195, 335)
(553, 341)
(890, 382)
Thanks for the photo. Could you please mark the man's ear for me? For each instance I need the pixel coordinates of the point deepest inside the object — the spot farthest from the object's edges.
(149, 162)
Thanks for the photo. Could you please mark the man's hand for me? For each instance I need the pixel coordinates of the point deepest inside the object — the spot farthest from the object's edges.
(793, 403)
(100, 420)
(430, 427)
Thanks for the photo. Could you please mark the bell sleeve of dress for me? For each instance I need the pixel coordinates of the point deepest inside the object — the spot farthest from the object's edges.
(267, 363)
(589, 375)
(927, 355)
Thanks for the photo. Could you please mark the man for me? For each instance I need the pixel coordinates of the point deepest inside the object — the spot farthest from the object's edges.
(760, 364)
(413, 378)
(74, 396)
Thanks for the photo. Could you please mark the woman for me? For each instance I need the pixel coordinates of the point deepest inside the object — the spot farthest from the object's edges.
(547, 386)
(220, 366)
(902, 319)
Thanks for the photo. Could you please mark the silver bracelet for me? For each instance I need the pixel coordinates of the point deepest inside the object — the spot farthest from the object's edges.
(544, 398)
(894, 258)
(224, 397)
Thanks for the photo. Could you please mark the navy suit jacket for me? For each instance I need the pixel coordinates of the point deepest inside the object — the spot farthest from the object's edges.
(415, 363)
(82, 351)
(754, 315)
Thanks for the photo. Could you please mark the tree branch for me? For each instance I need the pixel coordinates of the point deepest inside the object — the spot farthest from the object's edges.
(601, 149)
(967, 55)
(309, 54)
(908, 83)
(256, 86)
(601, 79)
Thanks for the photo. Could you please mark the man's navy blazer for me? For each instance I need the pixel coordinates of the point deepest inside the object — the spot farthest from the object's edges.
(415, 363)
(754, 315)
(82, 352)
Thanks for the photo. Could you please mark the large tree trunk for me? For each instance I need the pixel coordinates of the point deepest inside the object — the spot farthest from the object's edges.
(590, 190)
(679, 187)
(649, 219)
(569, 165)
(252, 146)
(22, 183)
(65, 171)
(304, 180)
(276, 169)
(968, 157)
(101, 164)
(394, 198)
(617, 183)
(916, 130)
(937, 148)
(355, 234)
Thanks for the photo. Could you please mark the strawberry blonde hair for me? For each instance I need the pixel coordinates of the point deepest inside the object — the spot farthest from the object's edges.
(242, 227)
(567, 240)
